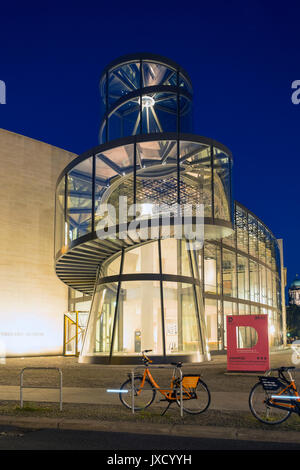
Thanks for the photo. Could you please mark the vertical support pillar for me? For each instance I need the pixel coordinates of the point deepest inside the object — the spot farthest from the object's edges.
(282, 285)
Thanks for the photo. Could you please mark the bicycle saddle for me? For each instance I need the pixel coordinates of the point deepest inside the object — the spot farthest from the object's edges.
(283, 369)
(177, 364)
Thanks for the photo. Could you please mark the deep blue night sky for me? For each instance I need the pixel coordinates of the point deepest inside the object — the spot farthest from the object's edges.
(242, 57)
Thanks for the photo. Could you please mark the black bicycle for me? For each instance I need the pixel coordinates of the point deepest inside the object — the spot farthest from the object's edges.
(273, 399)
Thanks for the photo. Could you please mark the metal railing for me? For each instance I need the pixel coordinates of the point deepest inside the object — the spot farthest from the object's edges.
(22, 386)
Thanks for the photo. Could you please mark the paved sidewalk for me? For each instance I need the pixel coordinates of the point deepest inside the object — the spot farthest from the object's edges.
(98, 379)
(99, 396)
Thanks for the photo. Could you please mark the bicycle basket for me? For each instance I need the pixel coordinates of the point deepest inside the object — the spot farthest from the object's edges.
(190, 381)
(270, 383)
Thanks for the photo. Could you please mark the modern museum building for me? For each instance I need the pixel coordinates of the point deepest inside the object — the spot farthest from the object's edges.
(151, 251)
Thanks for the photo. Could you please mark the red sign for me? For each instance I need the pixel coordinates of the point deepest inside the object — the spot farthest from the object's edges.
(239, 357)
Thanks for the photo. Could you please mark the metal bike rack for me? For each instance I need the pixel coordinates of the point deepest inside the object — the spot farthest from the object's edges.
(157, 367)
(22, 386)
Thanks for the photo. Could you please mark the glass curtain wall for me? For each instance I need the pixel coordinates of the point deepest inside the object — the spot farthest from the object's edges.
(155, 174)
(229, 274)
(143, 97)
(155, 304)
(246, 264)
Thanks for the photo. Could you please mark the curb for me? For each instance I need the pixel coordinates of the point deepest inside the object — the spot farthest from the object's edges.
(209, 432)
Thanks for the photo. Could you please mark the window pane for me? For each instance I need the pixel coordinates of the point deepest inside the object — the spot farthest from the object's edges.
(263, 284)
(158, 74)
(60, 216)
(253, 236)
(122, 80)
(211, 316)
(143, 259)
(241, 228)
(243, 277)
(196, 175)
(229, 273)
(181, 324)
(175, 257)
(99, 331)
(79, 202)
(139, 319)
(212, 273)
(222, 189)
(254, 282)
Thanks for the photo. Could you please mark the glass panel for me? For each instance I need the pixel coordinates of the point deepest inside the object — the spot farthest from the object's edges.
(195, 181)
(269, 287)
(263, 284)
(185, 83)
(143, 259)
(269, 242)
(100, 325)
(120, 194)
(181, 324)
(273, 254)
(253, 310)
(254, 281)
(211, 316)
(120, 158)
(277, 257)
(222, 189)
(139, 319)
(103, 91)
(243, 277)
(185, 115)
(156, 188)
(159, 112)
(229, 273)
(230, 241)
(175, 257)
(105, 174)
(195, 256)
(60, 216)
(102, 133)
(79, 203)
(274, 290)
(123, 80)
(156, 152)
(125, 120)
(253, 236)
(198, 257)
(241, 228)
(261, 242)
(158, 74)
(212, 271)
(243, 309)
(112, 267)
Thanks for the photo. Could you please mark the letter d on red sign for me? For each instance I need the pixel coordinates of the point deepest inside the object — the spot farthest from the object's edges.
(254, 358)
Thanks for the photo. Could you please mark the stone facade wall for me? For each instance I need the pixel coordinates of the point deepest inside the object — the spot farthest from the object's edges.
(32, 300)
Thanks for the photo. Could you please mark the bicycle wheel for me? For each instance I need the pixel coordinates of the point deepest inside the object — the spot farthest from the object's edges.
(261, 410)
(195, 400)
(295, 358)
(141, 400)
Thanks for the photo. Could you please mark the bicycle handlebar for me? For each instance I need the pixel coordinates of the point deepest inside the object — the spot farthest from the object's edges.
(146, 358)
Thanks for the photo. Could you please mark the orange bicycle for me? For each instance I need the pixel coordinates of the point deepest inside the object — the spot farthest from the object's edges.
(273, 399)
(195, 393)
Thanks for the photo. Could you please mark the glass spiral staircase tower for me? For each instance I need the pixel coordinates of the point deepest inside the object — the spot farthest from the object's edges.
(147, 290)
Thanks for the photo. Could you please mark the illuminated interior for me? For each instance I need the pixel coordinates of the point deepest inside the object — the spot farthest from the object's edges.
(155, 304)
